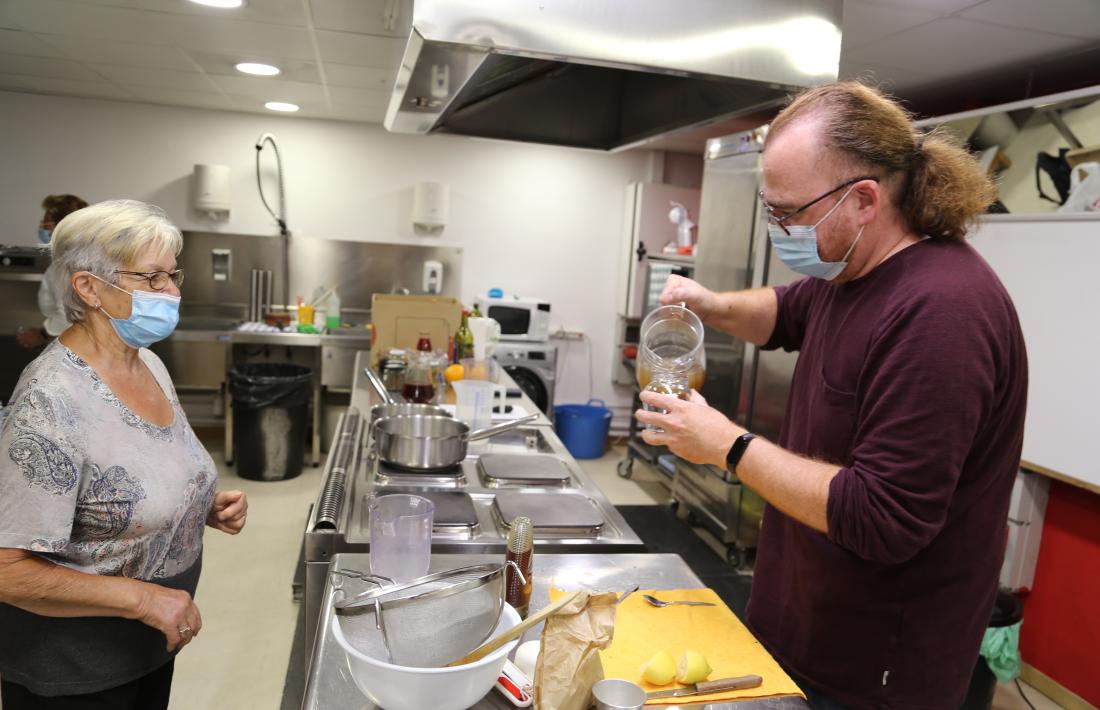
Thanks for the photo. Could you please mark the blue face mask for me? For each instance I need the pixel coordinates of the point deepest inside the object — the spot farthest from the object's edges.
(798, 250)
(153, 317)
(43, 235)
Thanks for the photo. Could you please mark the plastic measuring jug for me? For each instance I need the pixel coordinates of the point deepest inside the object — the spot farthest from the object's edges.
(474, 401)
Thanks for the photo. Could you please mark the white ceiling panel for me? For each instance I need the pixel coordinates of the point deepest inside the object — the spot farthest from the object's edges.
(46, 67)
(951, 47)
(78, 87)
(229, 36)
(65, 18)
(940, 7)
(287, 12)
(271, 89)
(181, 97)
(890, 79)
(362, 16)
(28, 43)
(152, 76)
(866, 22)
(361, 50)
(1076, 18)
(359, 77)
(87, 49)
(225, 64)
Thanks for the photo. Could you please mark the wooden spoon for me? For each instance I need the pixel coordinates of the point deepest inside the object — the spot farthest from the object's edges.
(515, 632)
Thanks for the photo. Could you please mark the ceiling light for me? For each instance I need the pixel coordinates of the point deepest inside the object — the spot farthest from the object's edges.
(219, 3)
(257, 69)
(280, 106)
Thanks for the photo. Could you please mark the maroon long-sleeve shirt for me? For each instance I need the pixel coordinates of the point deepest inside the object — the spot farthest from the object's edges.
(913, 380)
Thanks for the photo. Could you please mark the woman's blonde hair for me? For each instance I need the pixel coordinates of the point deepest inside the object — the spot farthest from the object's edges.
(938, 187)
(104, 238)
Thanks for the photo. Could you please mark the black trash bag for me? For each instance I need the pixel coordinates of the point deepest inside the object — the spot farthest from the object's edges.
(1059, 170)
(270, 385)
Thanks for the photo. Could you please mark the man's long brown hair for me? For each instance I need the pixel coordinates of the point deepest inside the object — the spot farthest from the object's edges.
(938, 187)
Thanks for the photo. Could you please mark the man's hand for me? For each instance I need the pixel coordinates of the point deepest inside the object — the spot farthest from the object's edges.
(679, 289)
(229, 512)
(692, 430)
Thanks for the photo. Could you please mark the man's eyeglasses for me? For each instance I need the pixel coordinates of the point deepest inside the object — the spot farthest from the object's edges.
(778, 221)
(158, 280)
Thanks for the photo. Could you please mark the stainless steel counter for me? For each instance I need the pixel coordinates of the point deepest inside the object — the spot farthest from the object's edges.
(297, 340)
(329, 684)
(338, 521)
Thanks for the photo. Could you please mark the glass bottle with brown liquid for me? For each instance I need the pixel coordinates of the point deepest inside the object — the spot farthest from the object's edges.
(521, 551)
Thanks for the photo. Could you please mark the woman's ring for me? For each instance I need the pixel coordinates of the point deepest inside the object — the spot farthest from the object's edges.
(184, 630)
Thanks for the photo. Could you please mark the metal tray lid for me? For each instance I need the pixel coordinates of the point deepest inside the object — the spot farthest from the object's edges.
(537, 469)
(550, 512)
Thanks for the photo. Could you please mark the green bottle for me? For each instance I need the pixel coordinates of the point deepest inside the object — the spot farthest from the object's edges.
(476, 313)
(464, 338)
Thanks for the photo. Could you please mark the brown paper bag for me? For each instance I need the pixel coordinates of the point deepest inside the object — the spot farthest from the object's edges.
(569, 660)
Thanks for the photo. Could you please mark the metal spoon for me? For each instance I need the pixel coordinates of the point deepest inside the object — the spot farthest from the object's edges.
(654, 601)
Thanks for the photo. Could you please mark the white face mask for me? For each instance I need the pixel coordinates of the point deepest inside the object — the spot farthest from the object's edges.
(797, 246)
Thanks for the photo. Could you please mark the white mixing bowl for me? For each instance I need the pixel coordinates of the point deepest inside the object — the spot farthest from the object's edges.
(407, 688)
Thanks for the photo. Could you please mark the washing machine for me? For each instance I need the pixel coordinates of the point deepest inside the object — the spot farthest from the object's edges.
(532, 366)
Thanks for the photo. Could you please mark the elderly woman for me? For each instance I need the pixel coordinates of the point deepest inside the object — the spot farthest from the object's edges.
(104, 487)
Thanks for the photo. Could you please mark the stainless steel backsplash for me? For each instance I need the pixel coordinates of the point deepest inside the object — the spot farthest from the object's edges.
(359, 269)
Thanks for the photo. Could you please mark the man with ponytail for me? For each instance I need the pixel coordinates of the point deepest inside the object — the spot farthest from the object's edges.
(888, 488)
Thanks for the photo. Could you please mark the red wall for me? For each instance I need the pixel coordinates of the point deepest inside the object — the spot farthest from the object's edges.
(1061, 626)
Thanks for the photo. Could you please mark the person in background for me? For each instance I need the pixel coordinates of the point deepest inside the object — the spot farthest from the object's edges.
(56, 207)
(888, 489)
(104, 487)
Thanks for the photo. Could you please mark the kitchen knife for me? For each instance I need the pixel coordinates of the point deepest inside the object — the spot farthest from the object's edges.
(709, 686)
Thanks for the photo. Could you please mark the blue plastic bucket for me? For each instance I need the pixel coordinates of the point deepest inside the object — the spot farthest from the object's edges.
(583, 428)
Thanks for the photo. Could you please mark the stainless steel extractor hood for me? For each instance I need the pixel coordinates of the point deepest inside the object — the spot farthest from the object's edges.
(605, 74)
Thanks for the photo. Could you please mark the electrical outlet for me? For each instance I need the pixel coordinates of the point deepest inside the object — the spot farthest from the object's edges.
(563, 334)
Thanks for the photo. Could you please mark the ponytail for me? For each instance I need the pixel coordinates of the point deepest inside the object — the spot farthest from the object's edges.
(948, 190)
(936, 185)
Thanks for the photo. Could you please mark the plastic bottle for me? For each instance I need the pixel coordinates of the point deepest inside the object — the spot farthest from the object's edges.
(521, 551)
(332, 311)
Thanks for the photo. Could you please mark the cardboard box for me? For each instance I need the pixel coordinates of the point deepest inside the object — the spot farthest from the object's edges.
(399, 321)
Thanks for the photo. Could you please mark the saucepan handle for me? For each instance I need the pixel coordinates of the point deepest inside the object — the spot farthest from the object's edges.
(501, 428)
(376, 382)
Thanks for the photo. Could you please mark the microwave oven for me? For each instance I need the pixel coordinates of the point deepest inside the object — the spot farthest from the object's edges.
(525, 319)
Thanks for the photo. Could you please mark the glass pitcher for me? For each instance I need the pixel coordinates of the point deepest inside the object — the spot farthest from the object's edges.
(419, 387)
(671, 355)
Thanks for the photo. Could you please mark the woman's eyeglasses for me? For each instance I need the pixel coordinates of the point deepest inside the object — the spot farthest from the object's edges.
(158, 280)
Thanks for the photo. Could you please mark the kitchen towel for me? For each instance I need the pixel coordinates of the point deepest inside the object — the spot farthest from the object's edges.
(642, 630)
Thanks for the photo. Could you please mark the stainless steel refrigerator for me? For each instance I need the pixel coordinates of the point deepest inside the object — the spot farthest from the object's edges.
(745, 383)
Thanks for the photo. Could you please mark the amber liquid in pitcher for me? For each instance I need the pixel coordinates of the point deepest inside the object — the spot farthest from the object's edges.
(696, 376)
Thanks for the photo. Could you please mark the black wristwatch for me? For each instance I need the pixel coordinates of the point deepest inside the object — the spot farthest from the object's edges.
(737, 451)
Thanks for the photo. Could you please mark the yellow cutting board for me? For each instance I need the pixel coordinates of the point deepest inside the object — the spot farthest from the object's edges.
(642, 630)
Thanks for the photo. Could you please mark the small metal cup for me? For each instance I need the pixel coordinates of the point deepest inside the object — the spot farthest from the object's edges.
(616, 694)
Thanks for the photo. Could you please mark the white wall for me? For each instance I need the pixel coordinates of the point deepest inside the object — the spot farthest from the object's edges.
(536, 220)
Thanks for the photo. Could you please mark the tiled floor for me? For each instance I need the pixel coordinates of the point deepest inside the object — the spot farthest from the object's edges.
(240, 658)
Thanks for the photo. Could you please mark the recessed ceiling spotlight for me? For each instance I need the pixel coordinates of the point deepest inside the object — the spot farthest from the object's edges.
(219, 3)
(257, 69)
(280, 106)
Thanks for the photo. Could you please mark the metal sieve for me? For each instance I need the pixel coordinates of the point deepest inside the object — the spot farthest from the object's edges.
(434, 619)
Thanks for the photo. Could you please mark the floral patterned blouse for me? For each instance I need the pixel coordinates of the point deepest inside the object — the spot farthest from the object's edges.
(87, 483)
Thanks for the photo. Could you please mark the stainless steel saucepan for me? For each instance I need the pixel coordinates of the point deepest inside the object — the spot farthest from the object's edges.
(426, 443)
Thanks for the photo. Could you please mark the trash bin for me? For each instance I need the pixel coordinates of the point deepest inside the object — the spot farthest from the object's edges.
(583, 428)
(1008, 611)
(270, 412)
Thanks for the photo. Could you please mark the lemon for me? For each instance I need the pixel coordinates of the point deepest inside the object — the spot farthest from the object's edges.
(693, 668)
(453, 373)
(659, 670)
